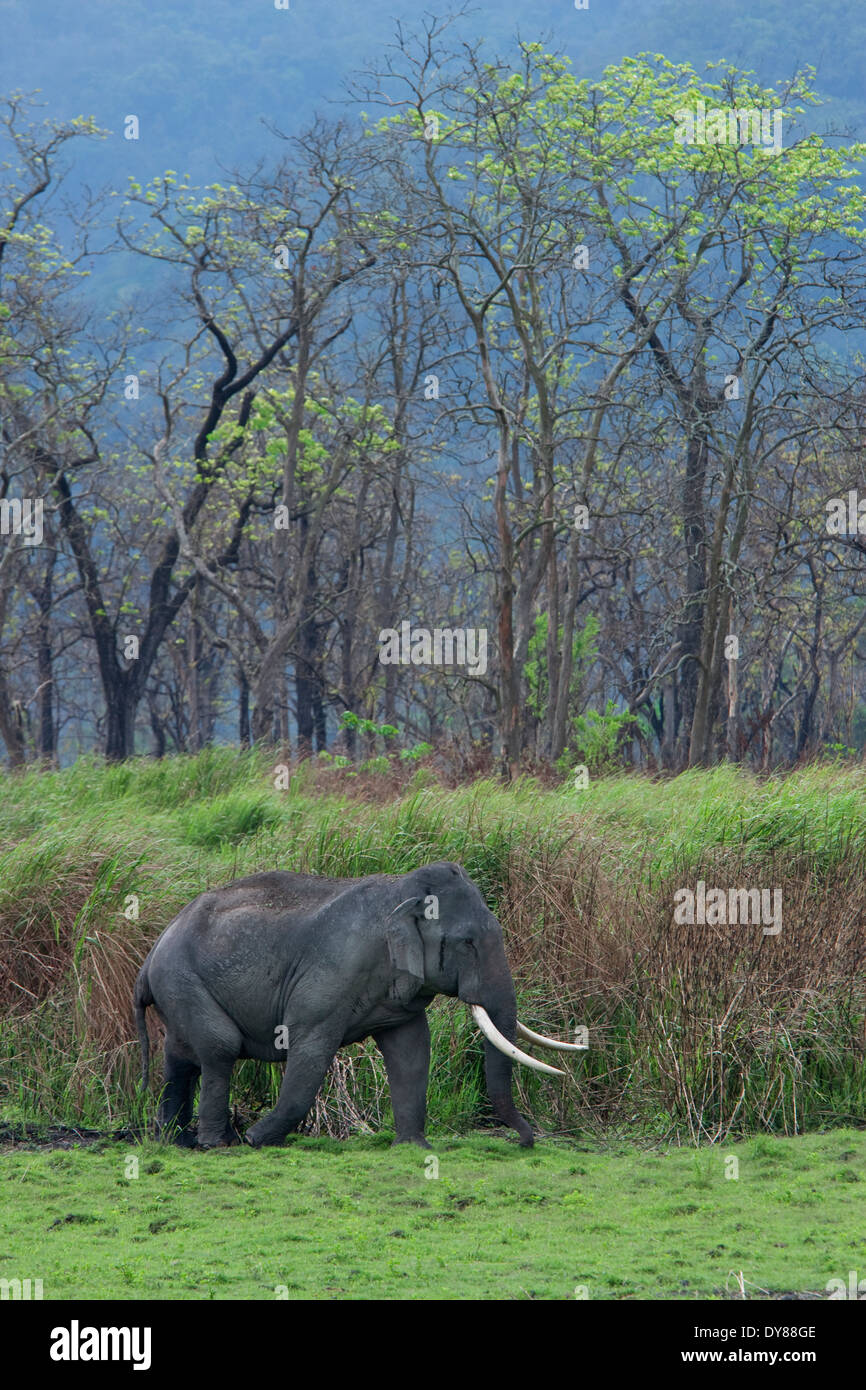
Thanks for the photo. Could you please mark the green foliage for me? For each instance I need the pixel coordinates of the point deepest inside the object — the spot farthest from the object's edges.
(584, 653)
(418, 750)
(597, 739)
(375, 764)
(334, 759)
(388, 733)
(348, 720)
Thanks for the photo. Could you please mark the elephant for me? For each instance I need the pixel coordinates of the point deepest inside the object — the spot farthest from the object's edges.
(291, 967)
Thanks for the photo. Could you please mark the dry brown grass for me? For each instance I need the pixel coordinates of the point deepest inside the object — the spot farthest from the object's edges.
(718, 1027)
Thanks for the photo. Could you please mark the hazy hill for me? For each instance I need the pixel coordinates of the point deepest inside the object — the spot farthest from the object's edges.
(202, 74)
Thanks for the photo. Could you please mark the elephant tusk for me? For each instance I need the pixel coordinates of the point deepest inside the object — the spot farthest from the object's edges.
(401, 905)
(542, 1041)
(499, 1040)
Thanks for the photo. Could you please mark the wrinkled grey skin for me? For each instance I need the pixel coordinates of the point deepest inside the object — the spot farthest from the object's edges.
(336, 960)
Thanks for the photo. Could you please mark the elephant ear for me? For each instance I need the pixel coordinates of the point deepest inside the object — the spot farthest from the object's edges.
(405, 949)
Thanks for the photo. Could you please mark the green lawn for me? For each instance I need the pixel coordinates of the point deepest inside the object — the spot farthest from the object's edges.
(361, 1220)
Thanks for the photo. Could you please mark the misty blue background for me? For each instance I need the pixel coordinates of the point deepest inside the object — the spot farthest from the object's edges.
(202, 75)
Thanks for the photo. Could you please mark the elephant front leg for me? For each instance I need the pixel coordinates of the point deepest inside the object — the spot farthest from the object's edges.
(306, 1067)
(406, 1050)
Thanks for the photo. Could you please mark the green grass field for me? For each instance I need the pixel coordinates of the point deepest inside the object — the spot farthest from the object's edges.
(359, 1219)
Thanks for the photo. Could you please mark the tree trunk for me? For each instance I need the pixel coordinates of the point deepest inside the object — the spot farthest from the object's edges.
(805, 736)
(695, 650)
(12, 726)
(244, 731)
(320, 720)
(670, 715)
(509, 727)
(733, 741)
(120, 710)
(305, 665)
(44, 597)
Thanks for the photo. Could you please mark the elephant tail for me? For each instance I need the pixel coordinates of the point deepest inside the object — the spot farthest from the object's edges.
(142, 1000)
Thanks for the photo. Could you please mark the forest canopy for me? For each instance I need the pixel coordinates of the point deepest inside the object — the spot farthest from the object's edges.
(497, 355)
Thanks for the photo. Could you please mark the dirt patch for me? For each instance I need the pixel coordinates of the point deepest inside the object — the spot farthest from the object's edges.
(62, 1137)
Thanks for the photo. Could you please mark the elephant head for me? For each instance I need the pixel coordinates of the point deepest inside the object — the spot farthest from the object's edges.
(443, 939)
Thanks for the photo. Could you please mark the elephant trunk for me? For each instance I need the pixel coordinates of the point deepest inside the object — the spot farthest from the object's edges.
(497, 1069)
(498, 1005)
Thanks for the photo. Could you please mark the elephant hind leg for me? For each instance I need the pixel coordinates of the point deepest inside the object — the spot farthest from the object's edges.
(214, 1041)
(175, 1111)
(214, 1124)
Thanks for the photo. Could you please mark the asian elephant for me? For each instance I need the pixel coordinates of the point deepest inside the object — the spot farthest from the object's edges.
(291, 967)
